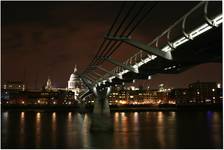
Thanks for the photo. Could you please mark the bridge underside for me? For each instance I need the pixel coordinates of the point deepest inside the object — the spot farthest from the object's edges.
(203, 49)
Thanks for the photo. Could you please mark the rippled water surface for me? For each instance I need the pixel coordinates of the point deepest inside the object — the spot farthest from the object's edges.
(46, 129)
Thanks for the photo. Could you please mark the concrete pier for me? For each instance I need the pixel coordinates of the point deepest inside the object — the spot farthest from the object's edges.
(101, 119)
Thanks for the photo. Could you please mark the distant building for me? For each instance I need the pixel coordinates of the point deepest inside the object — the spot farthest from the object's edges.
(204, 92)
(75, 84)
(48, 85)
(14, 85)
(180, 95)
(198, 93)
(137, 97)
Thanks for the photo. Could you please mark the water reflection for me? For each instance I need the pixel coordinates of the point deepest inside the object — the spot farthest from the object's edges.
(5, 116)
(54, 128)
(135, 121)
(116, 121)
(214, 121)
(173, 115)
(131, 130)
(69, 115)
(120, 128)
(124, 122)
(85, 132)
(147, 114)
(69, 129)
(38, 129)
(160, 129)
(172, 128)
(22, 128)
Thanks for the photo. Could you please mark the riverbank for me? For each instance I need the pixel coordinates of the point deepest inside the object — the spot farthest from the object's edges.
(132, 108)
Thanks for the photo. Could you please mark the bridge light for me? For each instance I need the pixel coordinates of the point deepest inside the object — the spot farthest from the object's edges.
(180, 41)
(111, 78)
(149, 77)
(104, 82)
(203, 28)
(219, 85)
(166, 49)
(218, 20)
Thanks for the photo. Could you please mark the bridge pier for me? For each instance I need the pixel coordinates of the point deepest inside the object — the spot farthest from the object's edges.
(101, 119)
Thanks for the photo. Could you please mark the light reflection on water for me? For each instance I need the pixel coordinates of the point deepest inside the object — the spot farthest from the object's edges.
(38, 129)
(131, 130)
(22, 127)
(161, 129)
(85, 131)
(54, 128)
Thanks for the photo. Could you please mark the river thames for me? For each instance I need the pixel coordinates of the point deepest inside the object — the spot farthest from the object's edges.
(160, 129)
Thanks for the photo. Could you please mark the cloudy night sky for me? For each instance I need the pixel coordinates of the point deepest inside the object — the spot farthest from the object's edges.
(41, 39)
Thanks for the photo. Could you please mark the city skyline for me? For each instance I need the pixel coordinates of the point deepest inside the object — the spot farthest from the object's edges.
(48, 39)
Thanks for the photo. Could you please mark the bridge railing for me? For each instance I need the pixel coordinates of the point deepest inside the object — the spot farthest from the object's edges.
(141, 57)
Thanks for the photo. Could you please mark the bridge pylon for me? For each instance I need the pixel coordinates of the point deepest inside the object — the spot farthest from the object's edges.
(101, 119)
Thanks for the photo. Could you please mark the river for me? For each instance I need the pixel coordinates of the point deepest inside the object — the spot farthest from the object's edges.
(159, 129)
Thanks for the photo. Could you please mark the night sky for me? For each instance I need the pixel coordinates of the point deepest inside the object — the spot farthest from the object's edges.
(41, 39)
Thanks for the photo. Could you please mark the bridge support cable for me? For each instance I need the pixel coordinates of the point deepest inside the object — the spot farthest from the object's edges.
(171, 45)
(86, 82)
(85, 94)
(110, 30)
(116, 44)
(139, 21)
(93, 78)
(109, 72)
(144, 47)
(203, 28)
(117, 30)
(107, 53)
(128, 67)
(186, 35)
(207, 19)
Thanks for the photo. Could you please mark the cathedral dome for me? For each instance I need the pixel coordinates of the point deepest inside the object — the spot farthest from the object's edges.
(72, 79)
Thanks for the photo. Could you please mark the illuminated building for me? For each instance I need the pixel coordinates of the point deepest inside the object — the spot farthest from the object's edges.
(198, 93)
(72, 80)
(75, 84)
(48, 85)
(14, 85)
(181, 96)
(205, 92)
